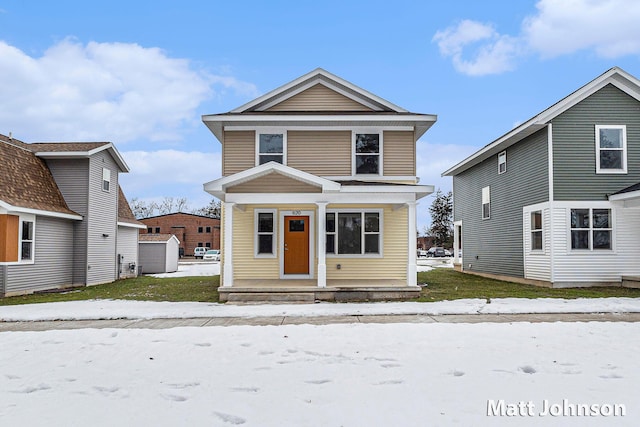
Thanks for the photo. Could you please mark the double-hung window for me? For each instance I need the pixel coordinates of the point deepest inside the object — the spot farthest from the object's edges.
(271, 148)
(367, 153)
(265, 233)
(26, 240)
(536, 231)
(106, 179)
(591, 229)
(353, 233)
(502, 162)
(486, 203)
(611, 149)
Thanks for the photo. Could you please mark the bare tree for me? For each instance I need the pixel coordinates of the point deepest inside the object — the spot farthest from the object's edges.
(212, 210)
(142, 209)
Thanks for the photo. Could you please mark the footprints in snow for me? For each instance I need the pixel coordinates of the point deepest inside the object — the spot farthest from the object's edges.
(230, 419)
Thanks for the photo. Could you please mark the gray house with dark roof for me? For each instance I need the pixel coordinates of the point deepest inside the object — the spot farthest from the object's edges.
(64, 220)
(556, 200)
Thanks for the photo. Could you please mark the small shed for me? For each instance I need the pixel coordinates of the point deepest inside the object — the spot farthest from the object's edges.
(158, 253)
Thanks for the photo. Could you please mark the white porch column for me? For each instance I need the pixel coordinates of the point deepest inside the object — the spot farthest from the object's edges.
(227, 267)
(322, 253)
(412, 269)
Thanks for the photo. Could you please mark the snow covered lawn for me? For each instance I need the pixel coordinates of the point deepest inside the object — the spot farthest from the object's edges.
(332, 375)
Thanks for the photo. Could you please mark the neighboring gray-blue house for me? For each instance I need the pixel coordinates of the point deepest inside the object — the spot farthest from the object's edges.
(64, 220)
(556, 200)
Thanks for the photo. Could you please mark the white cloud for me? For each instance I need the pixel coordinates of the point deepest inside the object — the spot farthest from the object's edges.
(557, 27)
(493, 53)
(103, 91)
(610, 27)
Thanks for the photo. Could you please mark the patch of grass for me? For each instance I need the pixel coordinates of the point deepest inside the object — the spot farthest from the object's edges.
(143, 288)
(448, 284)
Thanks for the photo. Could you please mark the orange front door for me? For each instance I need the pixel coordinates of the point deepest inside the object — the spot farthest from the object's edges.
(296, 245)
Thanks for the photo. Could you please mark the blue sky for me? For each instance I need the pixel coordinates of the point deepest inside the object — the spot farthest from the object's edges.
(141, 73)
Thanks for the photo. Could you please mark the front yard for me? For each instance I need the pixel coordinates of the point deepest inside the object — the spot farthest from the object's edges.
(442, 284)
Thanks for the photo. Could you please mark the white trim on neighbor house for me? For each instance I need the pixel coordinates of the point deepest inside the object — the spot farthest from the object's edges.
(271, 131)
(502, 160)
(86, 154)
(615, 76)
(130, 225)
(7, 208)
(629, 199)
(312, 76)
(106, 180)
(486, 200)
(25, 218)
(312, 257)
(623, 149)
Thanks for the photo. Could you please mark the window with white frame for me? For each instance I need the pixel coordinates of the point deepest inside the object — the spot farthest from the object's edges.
(106, 179)
(536, 231)
(271, 148)
(367, 153)
(591, 229)
(353, 233)
(611, 149)
(26, 240)
(265, 233)
(486, 203)
(502, 162)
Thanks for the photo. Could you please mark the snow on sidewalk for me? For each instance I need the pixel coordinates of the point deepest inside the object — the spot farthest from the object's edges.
(119, 309)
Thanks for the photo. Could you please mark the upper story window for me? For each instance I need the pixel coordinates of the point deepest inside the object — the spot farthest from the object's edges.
(486, 203)
(208, 229)
(591, 229)
(149, 230)
(158, 230)
(367, 149)
(26, 240)
(199, 229)
(271, 148)
(611, 149)
(502, 162)
(106, 179)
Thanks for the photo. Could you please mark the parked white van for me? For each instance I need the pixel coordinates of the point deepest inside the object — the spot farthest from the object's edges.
(199, 252)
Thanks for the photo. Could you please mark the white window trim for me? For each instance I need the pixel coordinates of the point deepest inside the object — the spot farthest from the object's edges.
(623, 149)
(256, 243)
(262, 131)
(106, 177)
(503, 155)
(531, 231)
(380, 133)
(591, 250)
(32, 219)
(362, 254)
(486, 199)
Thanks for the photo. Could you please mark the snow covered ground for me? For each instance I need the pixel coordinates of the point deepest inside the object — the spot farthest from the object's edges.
(332, 375)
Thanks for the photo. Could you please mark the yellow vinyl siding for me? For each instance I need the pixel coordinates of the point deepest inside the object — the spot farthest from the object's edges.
(238, 151)
(245, 265)
(274, 183)
(392, 266)
(322, 153)
(399, 153)
(319, 98)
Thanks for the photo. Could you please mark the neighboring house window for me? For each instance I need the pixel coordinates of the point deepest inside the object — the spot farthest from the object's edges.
(502, 162)
(611, 149)
(536, 231)
(486, 203)
(199, 229)
(149, 229)
(271, 148)
(208, 229)
(591, 229)
(367, 153)
(158, 230)
(353, 233)
(106, 179)
(265, 233)
(26, 240)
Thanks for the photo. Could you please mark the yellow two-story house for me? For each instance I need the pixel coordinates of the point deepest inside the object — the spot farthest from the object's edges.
(319, 192)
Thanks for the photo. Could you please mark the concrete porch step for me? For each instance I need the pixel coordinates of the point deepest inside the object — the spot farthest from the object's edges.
(253, 297)
(631, 282)
(311, 295)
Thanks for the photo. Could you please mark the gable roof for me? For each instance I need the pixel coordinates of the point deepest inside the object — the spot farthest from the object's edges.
(125, 215)
(376, 111)
(614, 76)
(26, 183)
(68, 150)
(156, 238)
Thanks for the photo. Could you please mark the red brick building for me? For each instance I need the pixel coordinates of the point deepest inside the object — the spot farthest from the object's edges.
(191, 230)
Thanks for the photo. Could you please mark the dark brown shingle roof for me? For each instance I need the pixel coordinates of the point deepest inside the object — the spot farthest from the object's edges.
(124, 210)
(154, 237)
(25, 180)
(65, 147)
